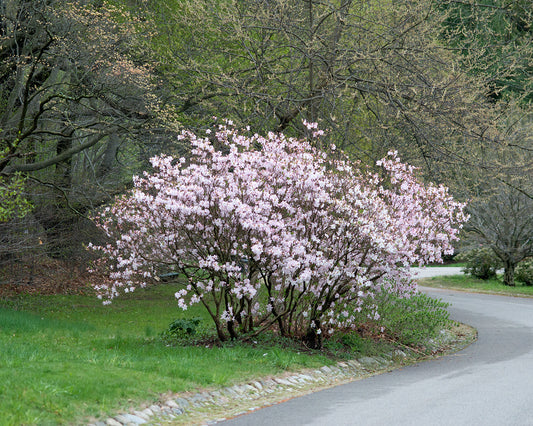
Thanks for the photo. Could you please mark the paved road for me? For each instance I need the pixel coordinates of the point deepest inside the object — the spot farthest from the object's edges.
(488, 383)
(436, 271)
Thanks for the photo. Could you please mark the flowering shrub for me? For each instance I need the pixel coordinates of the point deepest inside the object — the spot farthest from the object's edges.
(524, 271)
(480, 262)
(271, 232)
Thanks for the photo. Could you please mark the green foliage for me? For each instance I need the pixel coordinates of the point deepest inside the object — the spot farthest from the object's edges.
(354, 341)
(270, 64)
(412, 321)
(524, 272)
(480, 263)
(494, 37)
(281, 358)
(183, 327)
(12, 201)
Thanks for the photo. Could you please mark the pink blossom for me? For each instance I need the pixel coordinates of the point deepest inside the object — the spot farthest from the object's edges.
(318, 236)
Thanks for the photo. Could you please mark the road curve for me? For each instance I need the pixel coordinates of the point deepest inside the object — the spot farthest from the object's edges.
(488, 383)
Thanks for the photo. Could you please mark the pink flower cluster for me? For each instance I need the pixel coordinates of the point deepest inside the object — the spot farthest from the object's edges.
(270, 232)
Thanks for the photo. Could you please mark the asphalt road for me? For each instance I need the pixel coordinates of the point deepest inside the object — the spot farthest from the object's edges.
(488, 383)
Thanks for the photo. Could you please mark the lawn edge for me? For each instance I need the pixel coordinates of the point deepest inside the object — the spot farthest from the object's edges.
(425, 282)
(212, 405)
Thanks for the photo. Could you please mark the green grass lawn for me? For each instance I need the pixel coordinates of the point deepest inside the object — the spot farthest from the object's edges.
(445, 265)
(468, 283)
(67, 358)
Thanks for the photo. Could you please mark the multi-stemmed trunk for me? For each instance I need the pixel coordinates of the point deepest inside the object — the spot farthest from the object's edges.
(508, 274)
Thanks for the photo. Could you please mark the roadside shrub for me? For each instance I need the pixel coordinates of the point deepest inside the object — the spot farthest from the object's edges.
(524, 272)
(284, 237)
(480, 263)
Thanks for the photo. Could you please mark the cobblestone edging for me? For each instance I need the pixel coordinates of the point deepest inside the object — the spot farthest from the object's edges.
(216, 404)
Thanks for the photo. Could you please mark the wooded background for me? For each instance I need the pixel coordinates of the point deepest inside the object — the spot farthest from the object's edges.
(91, 89)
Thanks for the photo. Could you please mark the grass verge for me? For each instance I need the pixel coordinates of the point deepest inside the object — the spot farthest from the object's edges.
(468, 283)
(447, 265)
(449, 341)
(66, 358)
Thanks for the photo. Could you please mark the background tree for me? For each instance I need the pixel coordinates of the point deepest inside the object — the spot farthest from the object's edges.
(503, 222)
(495, 41)
(373, 73)
(501, 205)
(77, 106)
(67, 83)
(494, 38)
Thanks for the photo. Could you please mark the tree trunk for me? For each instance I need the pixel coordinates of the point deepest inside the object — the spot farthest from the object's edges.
(231, 328)
(220, 332)
(110, 154)
(313, 336)
(508, 276)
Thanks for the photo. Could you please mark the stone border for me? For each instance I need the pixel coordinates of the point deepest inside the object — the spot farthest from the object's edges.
(211, 406)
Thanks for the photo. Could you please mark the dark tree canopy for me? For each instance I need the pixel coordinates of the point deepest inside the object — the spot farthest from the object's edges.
(68, 82)
(79, 112)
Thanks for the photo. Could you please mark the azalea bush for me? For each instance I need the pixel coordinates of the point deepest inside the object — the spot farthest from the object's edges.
(273, 233)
